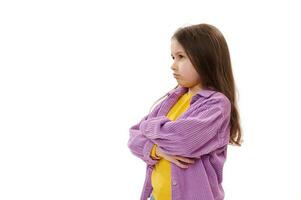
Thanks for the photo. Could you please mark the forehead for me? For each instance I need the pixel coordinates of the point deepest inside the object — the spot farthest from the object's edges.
(176, 47)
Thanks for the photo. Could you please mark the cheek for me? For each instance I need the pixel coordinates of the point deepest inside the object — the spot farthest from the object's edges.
(188, 70)
(185, 72)
(184, 68)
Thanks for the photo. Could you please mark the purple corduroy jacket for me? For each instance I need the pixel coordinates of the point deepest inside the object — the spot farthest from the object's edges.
(201, 132)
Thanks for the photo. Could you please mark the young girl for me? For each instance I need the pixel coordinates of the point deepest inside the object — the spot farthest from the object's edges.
(184, 139)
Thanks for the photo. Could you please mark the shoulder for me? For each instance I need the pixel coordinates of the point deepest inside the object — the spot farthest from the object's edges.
(157, 106)
(219, 100)
(216, 101)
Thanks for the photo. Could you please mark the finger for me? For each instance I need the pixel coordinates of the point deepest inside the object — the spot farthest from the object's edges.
(183, 159)
(178, 163)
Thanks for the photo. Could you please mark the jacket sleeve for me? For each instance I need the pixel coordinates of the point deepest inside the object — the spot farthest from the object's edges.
(200, 133)
(139, 144)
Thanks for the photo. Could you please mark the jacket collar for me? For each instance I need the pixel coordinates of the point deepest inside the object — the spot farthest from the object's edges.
(181, 90)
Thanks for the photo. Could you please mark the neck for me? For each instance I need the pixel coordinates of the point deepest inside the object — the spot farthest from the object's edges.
(195, 89)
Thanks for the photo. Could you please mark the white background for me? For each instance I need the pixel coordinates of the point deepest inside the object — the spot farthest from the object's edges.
(75, 75)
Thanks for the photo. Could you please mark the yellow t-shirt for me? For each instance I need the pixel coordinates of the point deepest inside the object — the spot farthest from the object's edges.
(161, 175)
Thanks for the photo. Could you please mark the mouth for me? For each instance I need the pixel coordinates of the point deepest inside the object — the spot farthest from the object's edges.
(176, 75)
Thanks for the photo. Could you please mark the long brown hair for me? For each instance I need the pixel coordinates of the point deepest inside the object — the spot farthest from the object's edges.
(208, 51)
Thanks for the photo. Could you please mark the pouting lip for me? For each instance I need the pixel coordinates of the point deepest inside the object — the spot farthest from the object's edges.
(176, 74)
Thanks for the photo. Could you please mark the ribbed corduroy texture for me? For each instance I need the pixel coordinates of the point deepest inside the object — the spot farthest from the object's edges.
(202, 132)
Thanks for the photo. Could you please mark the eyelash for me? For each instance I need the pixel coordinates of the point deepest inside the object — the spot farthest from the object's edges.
(179, 56)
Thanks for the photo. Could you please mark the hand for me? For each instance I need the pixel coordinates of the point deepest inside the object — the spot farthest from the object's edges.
(178, 160)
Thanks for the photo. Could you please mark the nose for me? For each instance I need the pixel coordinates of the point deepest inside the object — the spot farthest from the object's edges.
(173, 66)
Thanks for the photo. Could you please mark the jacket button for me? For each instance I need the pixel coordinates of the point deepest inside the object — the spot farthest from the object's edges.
(174, 183)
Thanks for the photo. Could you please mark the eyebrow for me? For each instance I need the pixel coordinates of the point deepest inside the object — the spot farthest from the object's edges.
(177, 52)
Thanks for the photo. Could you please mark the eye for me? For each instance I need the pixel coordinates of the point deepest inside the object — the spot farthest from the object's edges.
(180, 56)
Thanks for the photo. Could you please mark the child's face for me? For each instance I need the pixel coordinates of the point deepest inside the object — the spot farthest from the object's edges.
(186, 76)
